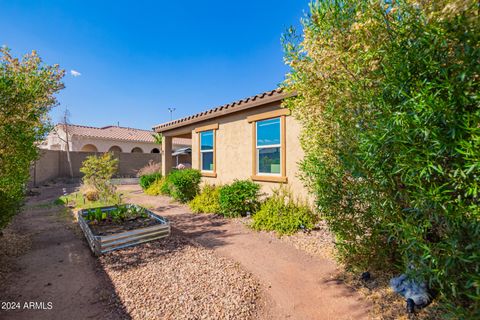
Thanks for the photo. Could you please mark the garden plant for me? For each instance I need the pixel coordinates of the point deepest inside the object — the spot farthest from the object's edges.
(207, 201)
(27, 94)
(387, 93)
(239, 198)
(98, 172)
(283, 214)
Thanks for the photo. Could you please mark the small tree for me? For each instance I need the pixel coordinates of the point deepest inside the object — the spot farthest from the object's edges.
(98, 170)
(27, 94)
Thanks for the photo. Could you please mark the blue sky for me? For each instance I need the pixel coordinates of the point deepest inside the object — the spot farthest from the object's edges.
(137, 58)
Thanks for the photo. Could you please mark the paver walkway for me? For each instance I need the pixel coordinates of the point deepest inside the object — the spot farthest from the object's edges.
(297, 285)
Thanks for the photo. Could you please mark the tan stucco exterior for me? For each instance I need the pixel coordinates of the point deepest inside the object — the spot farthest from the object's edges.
(56, 140)
(234, 148)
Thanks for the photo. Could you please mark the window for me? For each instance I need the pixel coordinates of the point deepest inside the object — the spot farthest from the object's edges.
(206, 150)
(268, 146)
(268, 142)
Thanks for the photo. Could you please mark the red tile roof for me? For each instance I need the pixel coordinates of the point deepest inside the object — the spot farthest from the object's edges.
(118, 133)
(254, 101)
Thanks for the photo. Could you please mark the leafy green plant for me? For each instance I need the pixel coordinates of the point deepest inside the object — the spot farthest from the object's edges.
(387, 94)
(116, 215)
(283, 214)
(239, 198)
(27, 94)
(98, 170)
(147, 179)
(183, 185)
(207, 201)
(158, 187)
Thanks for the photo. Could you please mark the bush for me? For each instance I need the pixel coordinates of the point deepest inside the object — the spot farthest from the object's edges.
(388, 99)
(98, 170)
(150, 168)
(239, 198)
(158, 187)
(281, 213)
(27, 94)
(147, 179)
(182, 185)
(207, 201)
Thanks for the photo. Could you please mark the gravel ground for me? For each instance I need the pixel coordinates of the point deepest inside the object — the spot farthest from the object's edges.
(174, 278)
(13, 243)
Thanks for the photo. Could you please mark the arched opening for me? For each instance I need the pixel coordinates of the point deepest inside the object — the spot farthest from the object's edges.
(137, 150)
(155, 150)
(89, 148)
(115, 149)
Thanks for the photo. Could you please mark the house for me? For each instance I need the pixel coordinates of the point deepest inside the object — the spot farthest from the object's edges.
(253, 138)
(105, 139)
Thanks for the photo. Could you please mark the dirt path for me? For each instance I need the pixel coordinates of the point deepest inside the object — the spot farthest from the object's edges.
(298, 286)
(57, 269)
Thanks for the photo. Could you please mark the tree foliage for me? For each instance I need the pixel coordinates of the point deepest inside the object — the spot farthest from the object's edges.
(387, 92)
(27, 89)
(98, 170)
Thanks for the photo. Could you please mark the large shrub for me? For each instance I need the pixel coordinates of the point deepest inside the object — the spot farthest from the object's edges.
(183, 185)
(207, 201)
(97, 172)
(388, 99)
(283, 214)
(147, 179)
(239, 198)
(27, 94)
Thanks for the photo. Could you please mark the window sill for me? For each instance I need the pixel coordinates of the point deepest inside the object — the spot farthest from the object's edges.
(209, 174)
(270, 178)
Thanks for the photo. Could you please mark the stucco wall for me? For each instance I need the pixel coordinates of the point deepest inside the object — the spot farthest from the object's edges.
(103, 145)
(234, 150)
(53, 164)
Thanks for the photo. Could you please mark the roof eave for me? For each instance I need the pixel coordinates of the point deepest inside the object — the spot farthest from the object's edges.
(222, 111)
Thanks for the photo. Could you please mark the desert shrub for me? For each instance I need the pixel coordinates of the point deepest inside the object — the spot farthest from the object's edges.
(151, 168)
(90, 193)
(239, 198)
(98, 170)
(158, 187)
(147, 179)
(27, 94)
(207, 201)
(283, 214)
(387, 94)
(182, 185)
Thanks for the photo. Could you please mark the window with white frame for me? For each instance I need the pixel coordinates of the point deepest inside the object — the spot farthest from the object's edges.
(206, 150)
(268, 147)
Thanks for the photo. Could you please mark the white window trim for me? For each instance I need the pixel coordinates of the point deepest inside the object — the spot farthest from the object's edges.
(207, 150)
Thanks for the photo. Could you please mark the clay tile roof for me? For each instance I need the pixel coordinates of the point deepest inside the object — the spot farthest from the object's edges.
(119, 133)
(250, 102)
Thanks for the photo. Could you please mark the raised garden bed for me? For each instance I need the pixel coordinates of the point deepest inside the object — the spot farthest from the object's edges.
(116, 227)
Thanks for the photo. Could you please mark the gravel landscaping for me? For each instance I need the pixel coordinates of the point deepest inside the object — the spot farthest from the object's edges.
(173, 278)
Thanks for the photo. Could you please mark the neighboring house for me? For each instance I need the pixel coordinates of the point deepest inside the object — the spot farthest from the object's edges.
(254, 138)
(104, 139)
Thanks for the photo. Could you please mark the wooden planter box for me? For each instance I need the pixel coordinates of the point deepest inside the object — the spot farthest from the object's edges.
(102, 244)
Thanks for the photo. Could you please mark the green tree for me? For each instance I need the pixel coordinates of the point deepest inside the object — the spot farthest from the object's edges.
(27, 94)
(98, 170)
(387, 92)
